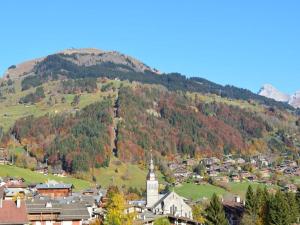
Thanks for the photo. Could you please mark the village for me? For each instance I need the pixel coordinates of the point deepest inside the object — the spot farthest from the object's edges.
(57, 203)
(268, 170)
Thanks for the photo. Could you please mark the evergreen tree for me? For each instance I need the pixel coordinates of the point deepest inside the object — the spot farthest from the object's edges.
(263, 212)
(250, 205)
(254, 202)
(293, 207)
(278, 210)
(298, 198)
(215, 214)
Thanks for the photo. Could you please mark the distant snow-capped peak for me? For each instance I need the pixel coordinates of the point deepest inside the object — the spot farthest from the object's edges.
(271, 92)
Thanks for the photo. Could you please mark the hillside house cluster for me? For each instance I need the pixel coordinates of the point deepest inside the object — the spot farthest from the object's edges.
(260, 168)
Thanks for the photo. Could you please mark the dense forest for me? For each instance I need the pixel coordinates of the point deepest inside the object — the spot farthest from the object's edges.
(76, 142)
(57, 65)
(151, 117)
(172, 123)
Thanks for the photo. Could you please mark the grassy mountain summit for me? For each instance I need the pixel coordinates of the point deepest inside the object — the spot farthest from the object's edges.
(79, 109)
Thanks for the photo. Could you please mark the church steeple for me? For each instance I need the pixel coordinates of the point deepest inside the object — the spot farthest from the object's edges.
(151, 174)
(152, 185)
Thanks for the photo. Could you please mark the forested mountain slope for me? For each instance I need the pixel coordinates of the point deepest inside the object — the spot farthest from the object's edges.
(71, 111)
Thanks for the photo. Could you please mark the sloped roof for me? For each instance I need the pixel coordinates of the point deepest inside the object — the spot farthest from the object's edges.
(39, 206)
(166, 196)
(74, 211)
(65, 210)
(54, 186)
(10, 214)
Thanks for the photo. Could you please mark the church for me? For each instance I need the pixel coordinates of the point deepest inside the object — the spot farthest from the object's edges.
(166, 204)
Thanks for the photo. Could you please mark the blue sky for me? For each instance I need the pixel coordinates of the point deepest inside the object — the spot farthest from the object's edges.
(244, 43)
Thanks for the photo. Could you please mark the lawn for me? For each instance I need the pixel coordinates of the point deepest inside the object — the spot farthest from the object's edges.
(241, 188)
(194, 191)
(123, 175)
(33, 177)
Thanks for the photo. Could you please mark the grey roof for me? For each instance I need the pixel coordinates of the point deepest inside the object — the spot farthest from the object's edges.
(39, 206)
(54, 186)
(65, 210)
(74, 211)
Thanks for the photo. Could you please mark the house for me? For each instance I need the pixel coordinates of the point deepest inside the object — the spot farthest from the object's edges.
(181, 173)
(234, 210)
(13, 212)
(190, 162)
(222, 179)
(264, 173)
(210, 161)
(48, 211)
(240, 161)
(54, 190)
(235, 177)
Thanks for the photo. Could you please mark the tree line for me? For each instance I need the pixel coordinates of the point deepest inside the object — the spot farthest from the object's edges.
(56, 65)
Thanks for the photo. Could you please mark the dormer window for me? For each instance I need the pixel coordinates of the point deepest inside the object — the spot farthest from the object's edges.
(48, 205)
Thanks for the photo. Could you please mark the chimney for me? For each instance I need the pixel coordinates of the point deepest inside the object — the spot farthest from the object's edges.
(18, 203)
(237, 199)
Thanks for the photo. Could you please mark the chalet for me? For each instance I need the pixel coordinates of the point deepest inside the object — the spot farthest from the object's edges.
(190, 162)
(230, 161)
(54, 190)
(42, 168)
(264, 173)
(252, 178)
(173, 166)
(234, 210)
(244, 175)
(47, 211)
(210, 161)
(240, 161)
(212, 173)
(234, 177)
(222, 179)
(181, 173)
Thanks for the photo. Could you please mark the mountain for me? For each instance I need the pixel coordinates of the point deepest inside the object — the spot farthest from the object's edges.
(271, 92)
(94, 63)
(295, 100)
(81, 57)
(80, 109)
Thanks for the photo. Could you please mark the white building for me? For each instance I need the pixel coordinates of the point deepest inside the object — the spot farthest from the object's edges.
(167, 204)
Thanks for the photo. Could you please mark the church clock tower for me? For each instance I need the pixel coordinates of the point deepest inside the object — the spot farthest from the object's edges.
(152, 186)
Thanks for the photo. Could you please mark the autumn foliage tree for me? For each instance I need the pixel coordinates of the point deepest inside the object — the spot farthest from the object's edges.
(116, 211)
